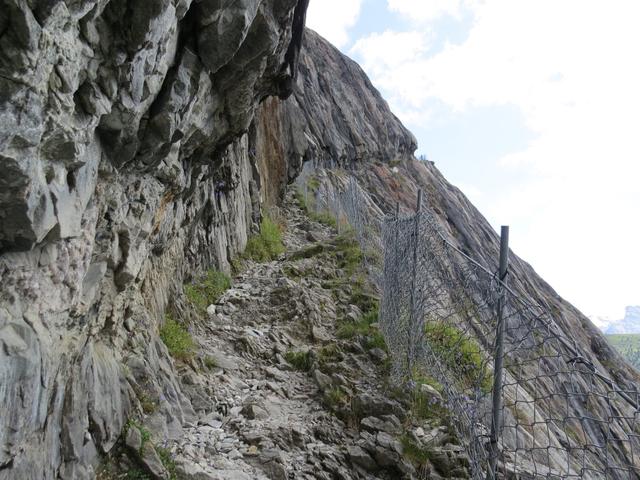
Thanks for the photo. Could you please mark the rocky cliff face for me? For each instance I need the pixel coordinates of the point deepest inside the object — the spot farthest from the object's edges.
(127, 167)
(138, 143)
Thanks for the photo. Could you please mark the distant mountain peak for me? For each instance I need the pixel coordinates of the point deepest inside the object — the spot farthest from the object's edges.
(629, 324)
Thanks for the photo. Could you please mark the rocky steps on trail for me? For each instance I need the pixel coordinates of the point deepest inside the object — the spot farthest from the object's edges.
(258, 417)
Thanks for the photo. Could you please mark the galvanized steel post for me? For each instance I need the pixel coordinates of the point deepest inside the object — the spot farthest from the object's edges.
(498, 364)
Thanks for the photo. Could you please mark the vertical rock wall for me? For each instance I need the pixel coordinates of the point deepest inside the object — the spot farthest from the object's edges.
(126, 169)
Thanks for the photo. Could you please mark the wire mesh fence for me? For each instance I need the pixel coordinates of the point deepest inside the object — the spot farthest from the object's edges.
(560, 417)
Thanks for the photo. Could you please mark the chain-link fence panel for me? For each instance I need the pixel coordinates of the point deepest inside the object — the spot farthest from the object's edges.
(561, 416)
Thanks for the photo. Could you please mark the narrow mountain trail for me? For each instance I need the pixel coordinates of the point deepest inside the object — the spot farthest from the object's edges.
(296, 374)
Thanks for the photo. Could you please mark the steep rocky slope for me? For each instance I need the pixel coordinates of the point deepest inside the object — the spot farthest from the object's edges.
(465, 227)
(585, 425)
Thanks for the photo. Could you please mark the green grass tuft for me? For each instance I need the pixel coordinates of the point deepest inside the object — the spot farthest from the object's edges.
(461, 353)
(329, 354)
(208, 290)
(148, 405)
(417, 455)
(334, 398)
(364, 327)
(348, 253)
(425, 407)
(167, 462)
(267, 245)
(300, 360)
(237, 265)
(302, 202)
(210, 362)
(144, 433)
(325, 218)
(136, 474)
(177, 339)
(313, 183)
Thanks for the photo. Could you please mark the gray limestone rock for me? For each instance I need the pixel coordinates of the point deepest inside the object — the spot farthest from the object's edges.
(361, 458)
(150, 459)
(133, 439)
(323, 381)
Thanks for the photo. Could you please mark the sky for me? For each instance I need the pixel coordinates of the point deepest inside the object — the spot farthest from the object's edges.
(531, 108)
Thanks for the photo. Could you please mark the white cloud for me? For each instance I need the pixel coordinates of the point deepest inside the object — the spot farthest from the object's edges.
(426, 10)
(570, 67)
(333, 18)
(391, 59)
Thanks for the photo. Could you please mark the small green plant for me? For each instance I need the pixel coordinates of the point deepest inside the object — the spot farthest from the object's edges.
(292, 272)
(364, 327)
(136, 474)
(313, 183)
(424, 406)
(365, 301)
(329, 354)
(147, 404)
(167, 462)
(417, 455)
(325, 218)
(210, 362)
(237, 265)
(348, 253)
(375, 339)
(373, 257)
(460, 353)
(177, 339)
(267, 245)
(335, 397)
(300, 360)
(145, 434)
(420, 377)
(207, 290)
(302, 202)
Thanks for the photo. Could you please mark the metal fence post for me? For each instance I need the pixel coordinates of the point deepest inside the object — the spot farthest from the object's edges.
(306, 193)
(412, 320)
(496, 418)
(336, 207)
